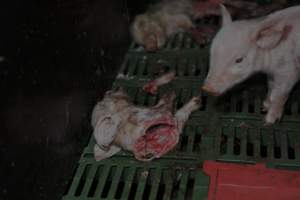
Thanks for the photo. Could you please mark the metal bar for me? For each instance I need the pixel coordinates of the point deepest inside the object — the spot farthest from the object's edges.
(89, 180)
(155, 184)
(141, 184)
(284, 145)
(102, 180)
(243, 145)
(115, 182)
(169, 185)
(76, 179)
(256, 143)
(183, 185)
(191, 138)
(128, 183)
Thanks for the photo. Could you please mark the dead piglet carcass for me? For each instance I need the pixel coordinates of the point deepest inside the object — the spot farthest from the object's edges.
(153, 85)
(161, 21)
(147, 132)
(270, 45)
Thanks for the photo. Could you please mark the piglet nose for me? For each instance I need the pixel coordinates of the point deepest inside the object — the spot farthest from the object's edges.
(207, 88)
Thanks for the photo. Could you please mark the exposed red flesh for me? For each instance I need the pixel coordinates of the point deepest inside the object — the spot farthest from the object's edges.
(151, 87)
(157, 141)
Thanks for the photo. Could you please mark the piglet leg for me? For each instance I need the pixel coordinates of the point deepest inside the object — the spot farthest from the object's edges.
(153, 85)
(183, 113)
(277, 98)
(267, 101)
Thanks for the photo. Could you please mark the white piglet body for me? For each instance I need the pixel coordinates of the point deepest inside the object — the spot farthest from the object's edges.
(148, 132)
(270, 45)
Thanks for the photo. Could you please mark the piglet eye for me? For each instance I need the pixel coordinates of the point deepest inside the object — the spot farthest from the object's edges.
(239, 60)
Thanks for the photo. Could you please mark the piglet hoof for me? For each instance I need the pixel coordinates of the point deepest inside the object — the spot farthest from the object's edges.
(272, 118)
(267, 124)
(150, 88)
(196, 101)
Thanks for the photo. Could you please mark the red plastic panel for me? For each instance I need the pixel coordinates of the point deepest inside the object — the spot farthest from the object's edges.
(248, 182)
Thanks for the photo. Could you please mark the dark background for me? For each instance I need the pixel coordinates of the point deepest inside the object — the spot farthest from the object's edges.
(57, 58)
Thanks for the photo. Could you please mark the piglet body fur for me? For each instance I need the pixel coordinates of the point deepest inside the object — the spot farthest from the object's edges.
(269, 44)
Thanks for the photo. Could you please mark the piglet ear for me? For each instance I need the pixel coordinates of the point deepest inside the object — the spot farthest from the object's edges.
(270, 32)
(226, 17)
(106, 130)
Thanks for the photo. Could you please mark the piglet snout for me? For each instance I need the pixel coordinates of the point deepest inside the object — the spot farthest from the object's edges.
(209, 89)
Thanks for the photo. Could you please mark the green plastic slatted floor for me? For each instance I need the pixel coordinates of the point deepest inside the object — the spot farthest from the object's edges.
(227, 129)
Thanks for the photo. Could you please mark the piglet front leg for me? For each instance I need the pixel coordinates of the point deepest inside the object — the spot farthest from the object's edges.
(267, 101)
(277, 98)
(183, 113)
(153, 85)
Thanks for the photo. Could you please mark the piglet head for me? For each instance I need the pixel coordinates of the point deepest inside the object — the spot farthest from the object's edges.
(148, 33)
(238, 48)
(230, 62)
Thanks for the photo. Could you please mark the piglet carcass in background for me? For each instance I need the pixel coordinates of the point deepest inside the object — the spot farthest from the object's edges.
(147, 132)
(270, 45)
(161, 21)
